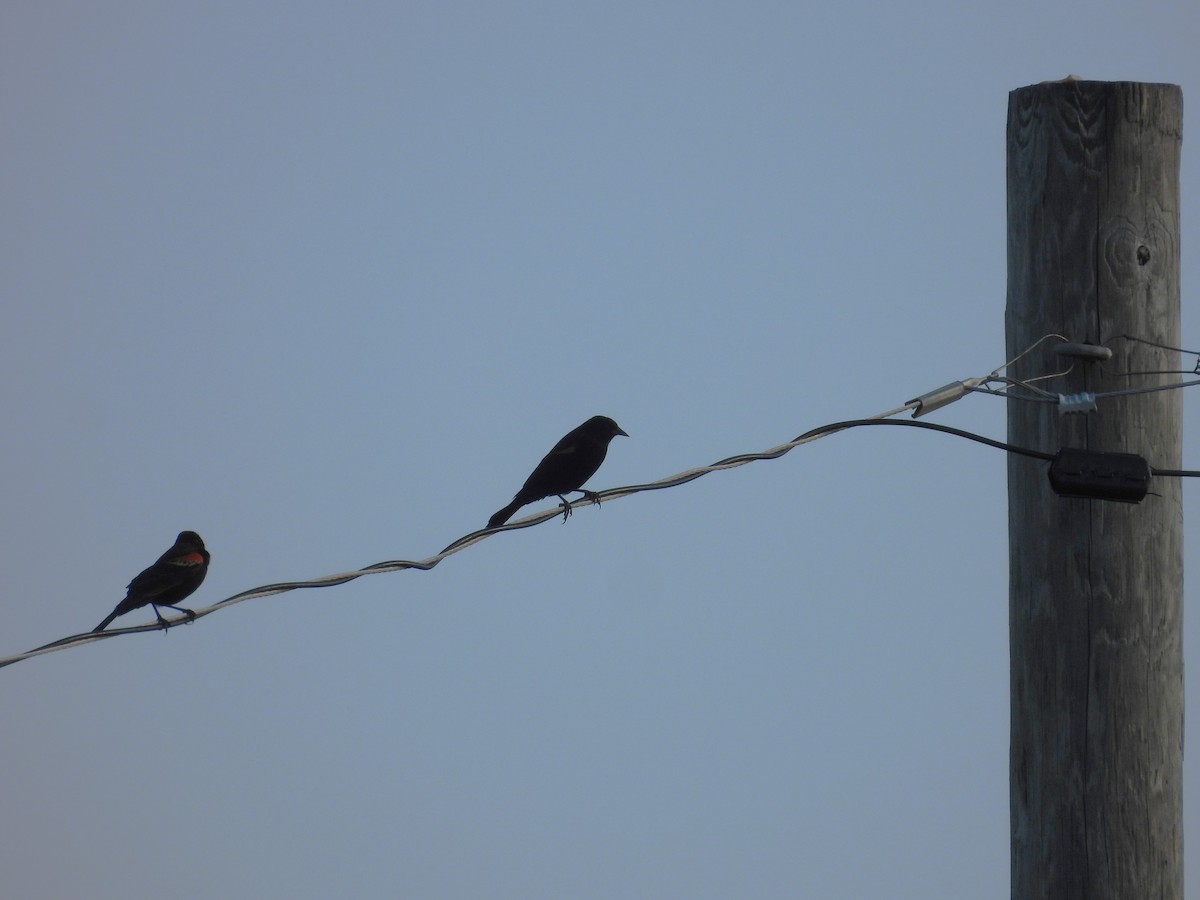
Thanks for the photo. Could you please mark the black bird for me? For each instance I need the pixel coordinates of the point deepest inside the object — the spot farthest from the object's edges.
(565, 468)
(175, 575)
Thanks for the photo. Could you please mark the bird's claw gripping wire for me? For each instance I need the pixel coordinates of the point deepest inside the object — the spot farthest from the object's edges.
(189, 616)
(566, 504)
(566, 508)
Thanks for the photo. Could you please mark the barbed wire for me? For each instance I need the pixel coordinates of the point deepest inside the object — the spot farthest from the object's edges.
(681, 478)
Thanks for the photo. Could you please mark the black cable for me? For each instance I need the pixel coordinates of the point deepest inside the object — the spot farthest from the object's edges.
(473, 537)
(932, 426)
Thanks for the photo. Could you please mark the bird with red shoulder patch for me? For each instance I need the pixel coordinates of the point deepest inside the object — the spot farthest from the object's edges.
(175, 575)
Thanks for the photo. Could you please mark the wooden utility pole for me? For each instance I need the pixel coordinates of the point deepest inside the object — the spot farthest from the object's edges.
(1095, 586)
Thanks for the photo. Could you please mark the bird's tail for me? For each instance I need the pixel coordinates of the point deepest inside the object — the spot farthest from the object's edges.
(112, 615)
(505, 514)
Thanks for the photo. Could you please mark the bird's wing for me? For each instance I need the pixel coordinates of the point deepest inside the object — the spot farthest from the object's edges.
(165, 574)
(569, 444)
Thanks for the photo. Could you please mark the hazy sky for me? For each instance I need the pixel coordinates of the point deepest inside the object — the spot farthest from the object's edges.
(323, 282)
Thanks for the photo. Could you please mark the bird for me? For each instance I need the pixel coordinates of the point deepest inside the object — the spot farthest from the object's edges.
(174, 576)
(570, 463)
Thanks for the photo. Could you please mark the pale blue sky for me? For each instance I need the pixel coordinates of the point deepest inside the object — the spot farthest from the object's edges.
(323, 282)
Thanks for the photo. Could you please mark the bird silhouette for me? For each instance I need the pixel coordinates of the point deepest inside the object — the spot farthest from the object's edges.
(174, 576)
(570, 463)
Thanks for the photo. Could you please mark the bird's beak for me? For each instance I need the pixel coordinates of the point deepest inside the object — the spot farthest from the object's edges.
(622, 431)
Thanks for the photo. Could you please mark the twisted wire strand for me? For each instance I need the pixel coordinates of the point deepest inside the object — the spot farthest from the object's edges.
(984, 384)
(475, 537)
(1040, 395)
(1099, 395)
(456, 546)
(1007, 389)
(731, 462)
(1012, 362)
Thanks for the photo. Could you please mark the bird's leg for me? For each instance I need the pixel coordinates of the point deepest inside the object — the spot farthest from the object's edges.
(161, 621)
(191, 615)
(566, 508)
(590, 495)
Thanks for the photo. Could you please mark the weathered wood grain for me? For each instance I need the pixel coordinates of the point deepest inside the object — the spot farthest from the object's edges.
(1095, 602)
